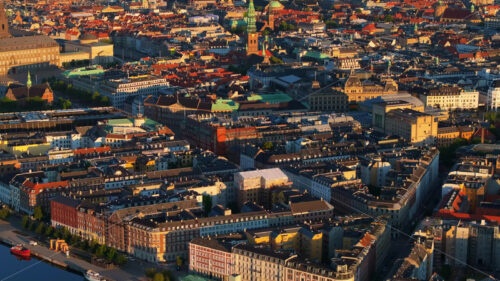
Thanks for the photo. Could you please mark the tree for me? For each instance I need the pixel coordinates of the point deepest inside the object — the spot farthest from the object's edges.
(388, 18)
(4, 213)
(93, 246)
(105, 101)
(284, 26)
(65, 234)
(31, 225)
(40, 228)
(57, 233)
(120, 259)
(63, 103)
(150, 272)
(101, 251)
(268, 145)
(75, 240)
(25, 222)
(275, 60)
(331, 24)
(158, 277)
(7, 105)
(96, 97)
(111, 254)
(35, 103)
(84, 245)
(238, 30)
(207, 204)
(38, 213)
(266, 32)
(49, 231)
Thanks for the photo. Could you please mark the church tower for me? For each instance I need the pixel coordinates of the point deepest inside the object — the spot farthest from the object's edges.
(4, 23)
(252, 35)
(270, 18)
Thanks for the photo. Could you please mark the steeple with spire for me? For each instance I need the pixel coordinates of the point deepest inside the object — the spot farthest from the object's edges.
(28, 82)
(4, 23)
(252, 35)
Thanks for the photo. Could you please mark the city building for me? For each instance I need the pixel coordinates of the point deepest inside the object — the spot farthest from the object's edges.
(251, 184)
(494, 96)
(120, 90)
(450, 98)
(25, 52)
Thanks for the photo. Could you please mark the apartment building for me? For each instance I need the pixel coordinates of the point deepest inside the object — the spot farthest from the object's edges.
(493, 101)
(414, 126)
(475, 243)
(450, 98)
(358, 244)
(250, 184)
(162, 231)
(119, 90)
(211, 257)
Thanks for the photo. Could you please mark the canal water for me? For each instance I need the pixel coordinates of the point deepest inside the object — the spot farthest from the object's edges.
(31, 270)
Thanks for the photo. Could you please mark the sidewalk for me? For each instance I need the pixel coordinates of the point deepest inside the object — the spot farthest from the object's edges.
(13, 234)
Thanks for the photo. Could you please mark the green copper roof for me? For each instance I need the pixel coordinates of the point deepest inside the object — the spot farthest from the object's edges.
(251, 27)
(83, 71)
(120, 122)
(275, 4)
(271, 98)
(224, 105)
(317, 55)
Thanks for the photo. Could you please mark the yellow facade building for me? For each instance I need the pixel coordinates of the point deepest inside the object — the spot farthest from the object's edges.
(303, 240)
(26, 52)
(18, 148)
(403, 119)
(359, 91)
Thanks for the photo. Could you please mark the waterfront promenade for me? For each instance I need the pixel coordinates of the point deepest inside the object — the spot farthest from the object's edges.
(13, 234)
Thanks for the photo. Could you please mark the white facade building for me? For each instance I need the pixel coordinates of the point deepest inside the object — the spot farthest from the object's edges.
(494, 95)
(451, 98)
(119, 90)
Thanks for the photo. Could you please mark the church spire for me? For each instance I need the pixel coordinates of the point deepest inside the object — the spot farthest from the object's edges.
(28, 83)
(251, 27)
(252, 35)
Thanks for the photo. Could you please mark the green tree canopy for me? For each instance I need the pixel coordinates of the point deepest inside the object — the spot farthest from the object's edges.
(388, 18)
(120, 259)
(207, 204)
(40, 228)
(268, 145)
(150, 272)
(38, 213)
(111, 254)
(101, 251)
(158, 277)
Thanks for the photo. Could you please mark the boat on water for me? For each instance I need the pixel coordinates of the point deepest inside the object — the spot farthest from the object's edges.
(91, 275)
(21, 251)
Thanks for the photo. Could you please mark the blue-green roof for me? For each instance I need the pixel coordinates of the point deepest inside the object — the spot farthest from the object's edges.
(317, 55)
(120, 122)
(224, 105)
(271, 98)
(94, 70)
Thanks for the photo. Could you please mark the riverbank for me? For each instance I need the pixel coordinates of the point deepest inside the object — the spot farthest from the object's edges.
(36, 254)
(13, 268)
(11, 234)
